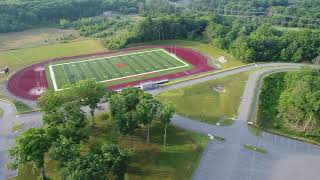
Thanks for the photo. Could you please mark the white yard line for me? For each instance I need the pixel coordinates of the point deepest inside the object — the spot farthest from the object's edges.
(65, 73)
(174, 57)
(124, 77)
(53, 78)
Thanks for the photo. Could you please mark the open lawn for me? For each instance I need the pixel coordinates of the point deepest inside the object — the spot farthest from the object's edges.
(148, 161)
(211, 102)
(35, 37)
(23, 57)
(150, 62)
(210, 50)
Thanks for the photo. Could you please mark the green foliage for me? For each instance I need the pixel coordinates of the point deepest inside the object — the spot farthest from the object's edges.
(299, 103)
(49, 101)
(98, 26)
(97, 163)
(133, 107)
(303, 13)
(161, 27)
(64, 150)
(123, 107)
(30, 147)
(166, 113)
(21, 14)
(251, 41)
(90, 93)
(289, 103)
(270, 92)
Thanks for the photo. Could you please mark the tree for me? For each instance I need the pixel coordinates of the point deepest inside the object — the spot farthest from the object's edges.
(91, 93)
(50, 102)
(119, 160)
(64, 150)
(74, 122)
(299, 102)
(165, 115)
(97, 163)
(30, 147)
(123, 110)
(147, 109)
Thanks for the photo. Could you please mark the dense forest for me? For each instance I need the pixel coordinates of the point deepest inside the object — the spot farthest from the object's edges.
(21, 14)
(290, 101)
(250, 41)
(293, 13)
(249, 30)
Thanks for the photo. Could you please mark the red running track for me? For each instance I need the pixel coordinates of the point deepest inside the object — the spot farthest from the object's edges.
(25, 82)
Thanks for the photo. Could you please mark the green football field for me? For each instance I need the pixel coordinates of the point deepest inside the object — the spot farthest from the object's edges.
(117, 68)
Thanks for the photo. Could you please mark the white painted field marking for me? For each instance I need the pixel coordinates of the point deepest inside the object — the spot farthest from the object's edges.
(125, 77)
(78, 72)
(66, 74)
(53, 78)
(175, 57)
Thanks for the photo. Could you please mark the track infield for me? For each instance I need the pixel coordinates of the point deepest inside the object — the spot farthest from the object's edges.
(116, 68)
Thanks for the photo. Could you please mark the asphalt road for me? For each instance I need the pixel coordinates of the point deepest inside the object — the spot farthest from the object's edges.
(6, 123)
(228, 160)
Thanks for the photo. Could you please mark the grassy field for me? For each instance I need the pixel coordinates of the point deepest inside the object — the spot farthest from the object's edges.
(148, 161)
(35, 37)
(202, 102)
(23, 57)
(150, 62)
(211, 51)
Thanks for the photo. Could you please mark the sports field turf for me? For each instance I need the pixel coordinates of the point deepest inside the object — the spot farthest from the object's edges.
(115, 68)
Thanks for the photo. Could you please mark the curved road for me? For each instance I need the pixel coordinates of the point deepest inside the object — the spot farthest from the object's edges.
(228, 160)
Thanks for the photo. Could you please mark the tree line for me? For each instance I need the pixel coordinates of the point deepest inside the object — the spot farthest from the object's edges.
(290, 101)
(66, 128)
(297, 13)
(250, 41)
(162, 27)
(21, 14)
(18, 15)
(253, 41)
